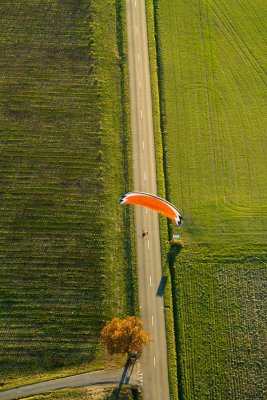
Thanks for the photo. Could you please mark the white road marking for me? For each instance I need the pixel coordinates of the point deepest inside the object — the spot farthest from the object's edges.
(138, 56)
(150, 281)
(143, 145)
(144, 176)
(148, 244)
(141, 113)
(140, 84)
(137, 30)
(154, 361)
(135, 3)
(152, 320)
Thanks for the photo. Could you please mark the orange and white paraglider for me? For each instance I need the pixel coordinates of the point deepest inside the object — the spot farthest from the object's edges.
(154, 203)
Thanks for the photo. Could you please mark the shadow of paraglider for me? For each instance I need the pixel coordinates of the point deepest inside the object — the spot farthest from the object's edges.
(162, 285)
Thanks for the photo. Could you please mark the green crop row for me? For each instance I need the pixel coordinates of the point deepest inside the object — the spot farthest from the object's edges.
(220, 316)
(64, 128)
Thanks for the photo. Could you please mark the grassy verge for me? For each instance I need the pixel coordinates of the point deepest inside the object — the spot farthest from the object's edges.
(213, 85)
(161, 185)
(62, 171)
(96, 393)
(129, 238)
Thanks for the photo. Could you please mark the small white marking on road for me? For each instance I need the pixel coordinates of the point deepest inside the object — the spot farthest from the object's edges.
(148, 244)
(154, 361)
(152, 320)
(140, 307)
(143, 145)
(140, 84)
(150, 281)
(141, 113)
(137, 30)
(138, 56)
(135, 3)
(144, 176)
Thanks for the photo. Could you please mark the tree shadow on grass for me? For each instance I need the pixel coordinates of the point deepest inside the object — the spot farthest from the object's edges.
(173, 253)
(125, 378)
(171, 257)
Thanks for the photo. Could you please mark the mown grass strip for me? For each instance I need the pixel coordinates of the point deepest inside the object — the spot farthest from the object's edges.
(165, 231)
(129, 239)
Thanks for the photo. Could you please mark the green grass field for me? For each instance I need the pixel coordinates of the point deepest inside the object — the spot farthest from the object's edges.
(214, 116)
(62, 254)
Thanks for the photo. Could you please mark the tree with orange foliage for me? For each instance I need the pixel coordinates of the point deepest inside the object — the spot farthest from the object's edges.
(125, 336)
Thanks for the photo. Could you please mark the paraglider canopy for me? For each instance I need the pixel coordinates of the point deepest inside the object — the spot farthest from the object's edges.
(154, 203)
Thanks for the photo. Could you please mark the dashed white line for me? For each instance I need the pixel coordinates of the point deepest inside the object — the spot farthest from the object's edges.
(141, 113)
(135, 3)
(144, 176)
(140, 84)
(152, 320)
(154, 362)
(138, 56)
(148, 244)
(137, 30)
(143, 145)
(150, 281)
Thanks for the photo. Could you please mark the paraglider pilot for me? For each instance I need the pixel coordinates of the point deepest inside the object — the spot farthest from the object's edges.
(144, 233)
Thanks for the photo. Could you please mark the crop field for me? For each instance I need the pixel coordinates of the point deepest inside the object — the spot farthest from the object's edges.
(62, 260)
(211, 66)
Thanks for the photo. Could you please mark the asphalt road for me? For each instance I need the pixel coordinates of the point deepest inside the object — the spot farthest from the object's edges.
(154, 359)
(103, 377)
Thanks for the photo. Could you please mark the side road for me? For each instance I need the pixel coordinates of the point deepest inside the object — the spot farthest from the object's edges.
(128, 375)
